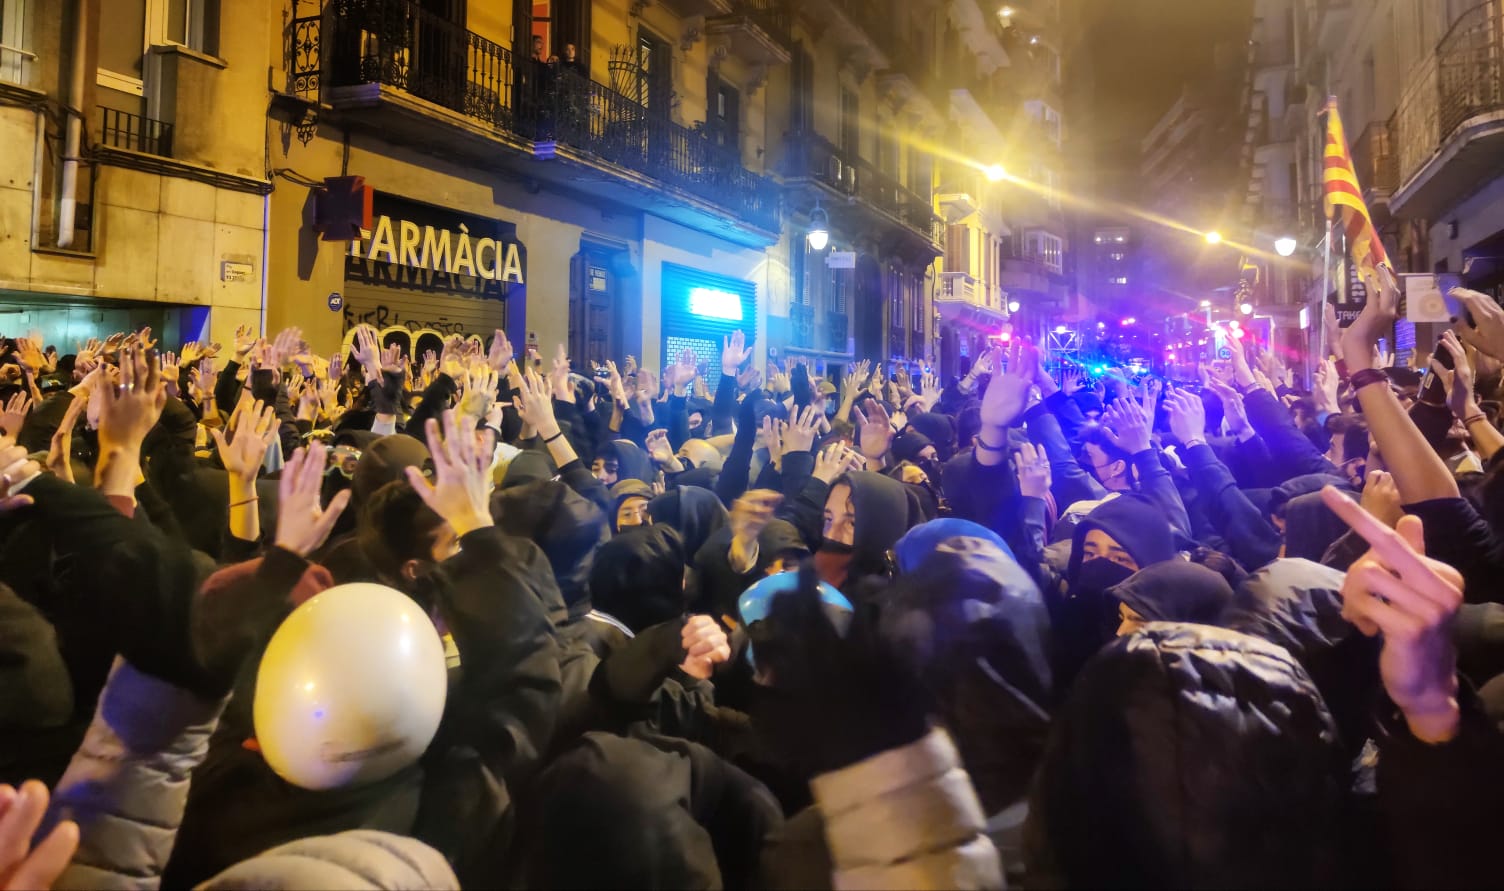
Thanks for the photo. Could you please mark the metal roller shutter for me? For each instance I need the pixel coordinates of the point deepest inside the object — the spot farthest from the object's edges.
(700, 309)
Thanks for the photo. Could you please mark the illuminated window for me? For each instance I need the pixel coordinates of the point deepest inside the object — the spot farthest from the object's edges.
(1120, 280)
(712, 304)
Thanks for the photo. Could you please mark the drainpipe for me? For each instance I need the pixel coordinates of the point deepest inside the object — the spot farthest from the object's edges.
(68, 206)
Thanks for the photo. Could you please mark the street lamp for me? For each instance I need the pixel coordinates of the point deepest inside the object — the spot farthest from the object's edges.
(1246, 309)
(1284, 246)
(1214, 237)
(1014, 306)
(995, 173)
(819, 227)
(1206, 304)
(1062, 329)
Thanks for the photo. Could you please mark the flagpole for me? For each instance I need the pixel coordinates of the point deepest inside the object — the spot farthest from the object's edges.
(1326, 284)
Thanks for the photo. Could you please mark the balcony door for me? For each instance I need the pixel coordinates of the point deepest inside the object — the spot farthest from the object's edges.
(657, 67)
(722, 113)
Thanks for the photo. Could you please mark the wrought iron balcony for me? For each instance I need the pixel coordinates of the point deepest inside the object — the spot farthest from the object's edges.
(759, 30)
(137, 133)
(1375, 161)
(837, 326)
(809, 156)
(1450, 133)
(540, 110)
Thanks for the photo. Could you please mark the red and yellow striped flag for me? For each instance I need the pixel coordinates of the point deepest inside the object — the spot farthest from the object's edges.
(1343, 198)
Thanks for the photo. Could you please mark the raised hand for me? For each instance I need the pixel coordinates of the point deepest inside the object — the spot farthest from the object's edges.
(929, 390)
(851, 384)
(1397, 591)
(14, 416)
(834, 460)
(478, 391)
(534, 401)
(1127, 425)
(750, 515)
(614, 383)
(734, 353)
(501, 352)
(364, 350)
(60, 449)
(770, 437)
(29, 352)
(1232, 408)
(647, 387)
(875, 430)
(750, 379)
(659, 448)
(245, 341)
(287, 343)
(1381, 498)
(1008, 395)
(1327, 382)
(460, 490)
(392, 359)
(303, 524)
(799, 436)
(23, 864)
(16, 470)
(250, 432)
(1033, 467)
(1187, 416)
(1460, 380)
(128, 410)
(558, 378)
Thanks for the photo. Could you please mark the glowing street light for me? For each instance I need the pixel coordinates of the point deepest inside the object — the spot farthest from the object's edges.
(1246, 309)
(1014, 306)
(1284, 246)
(1061, 329)
(1128, 321)
(1214, 237)
(1206, 304)
(994, 173)
(1006, 12)
(819, 228)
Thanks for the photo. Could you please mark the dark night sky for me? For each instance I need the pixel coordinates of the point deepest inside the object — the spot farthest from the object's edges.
(1127, 60)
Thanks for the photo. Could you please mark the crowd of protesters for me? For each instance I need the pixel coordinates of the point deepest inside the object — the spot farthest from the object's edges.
(694, 629)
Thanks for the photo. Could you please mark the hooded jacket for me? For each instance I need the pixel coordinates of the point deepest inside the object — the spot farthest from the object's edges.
(566, 526)
(717, 586)
(1187, 757)
(977, 624)
(652, 812)
(694, 511)
(638, 577)
(632, 462)
(1175, 591)
(1297, 605)
(884, 510)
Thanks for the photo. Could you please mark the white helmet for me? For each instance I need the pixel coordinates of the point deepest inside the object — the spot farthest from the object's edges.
(351, 688)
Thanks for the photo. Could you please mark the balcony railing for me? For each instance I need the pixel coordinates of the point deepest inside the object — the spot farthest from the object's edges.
(802, 320)
(1374, 158)
(399, 44)
(772, 16)
(814, 157)
(135, 132)
(1463, 79)
(958, 286)
(836, 327)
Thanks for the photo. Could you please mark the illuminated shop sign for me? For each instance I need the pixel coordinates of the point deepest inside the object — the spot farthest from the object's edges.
(708, 303)
(422, 247)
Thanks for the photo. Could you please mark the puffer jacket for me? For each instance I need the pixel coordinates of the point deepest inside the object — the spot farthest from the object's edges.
(1187, 757)
(1297, 605)
(128, 783)
(358, 859)
(907, 818)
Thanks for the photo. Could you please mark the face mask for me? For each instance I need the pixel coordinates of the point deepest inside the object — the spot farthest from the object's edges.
(1097, 575)
(833, 562)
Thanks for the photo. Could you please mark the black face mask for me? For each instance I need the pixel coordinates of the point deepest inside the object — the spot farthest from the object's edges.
(1097, 575)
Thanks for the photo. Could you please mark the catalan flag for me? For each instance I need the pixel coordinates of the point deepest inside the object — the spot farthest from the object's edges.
(1343, 198)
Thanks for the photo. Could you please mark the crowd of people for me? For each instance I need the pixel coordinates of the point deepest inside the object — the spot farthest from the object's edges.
(474, 619)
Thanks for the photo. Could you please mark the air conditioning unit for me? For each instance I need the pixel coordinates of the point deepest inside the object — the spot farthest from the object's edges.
(833, 169)
(851, 178)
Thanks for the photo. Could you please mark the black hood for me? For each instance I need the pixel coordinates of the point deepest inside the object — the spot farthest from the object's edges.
(908, 445)
(939, 429)
(565, 525)
(697, 477)
(1134, 522)
(530, 466)
(1297, 604)
(383, 460)
(1303, 485)
(632, 462)
(884, 510)
(697, 513)
(1175, 591)
(1187, 757)
(976, 624)
(1310, 526)
(638, 576)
